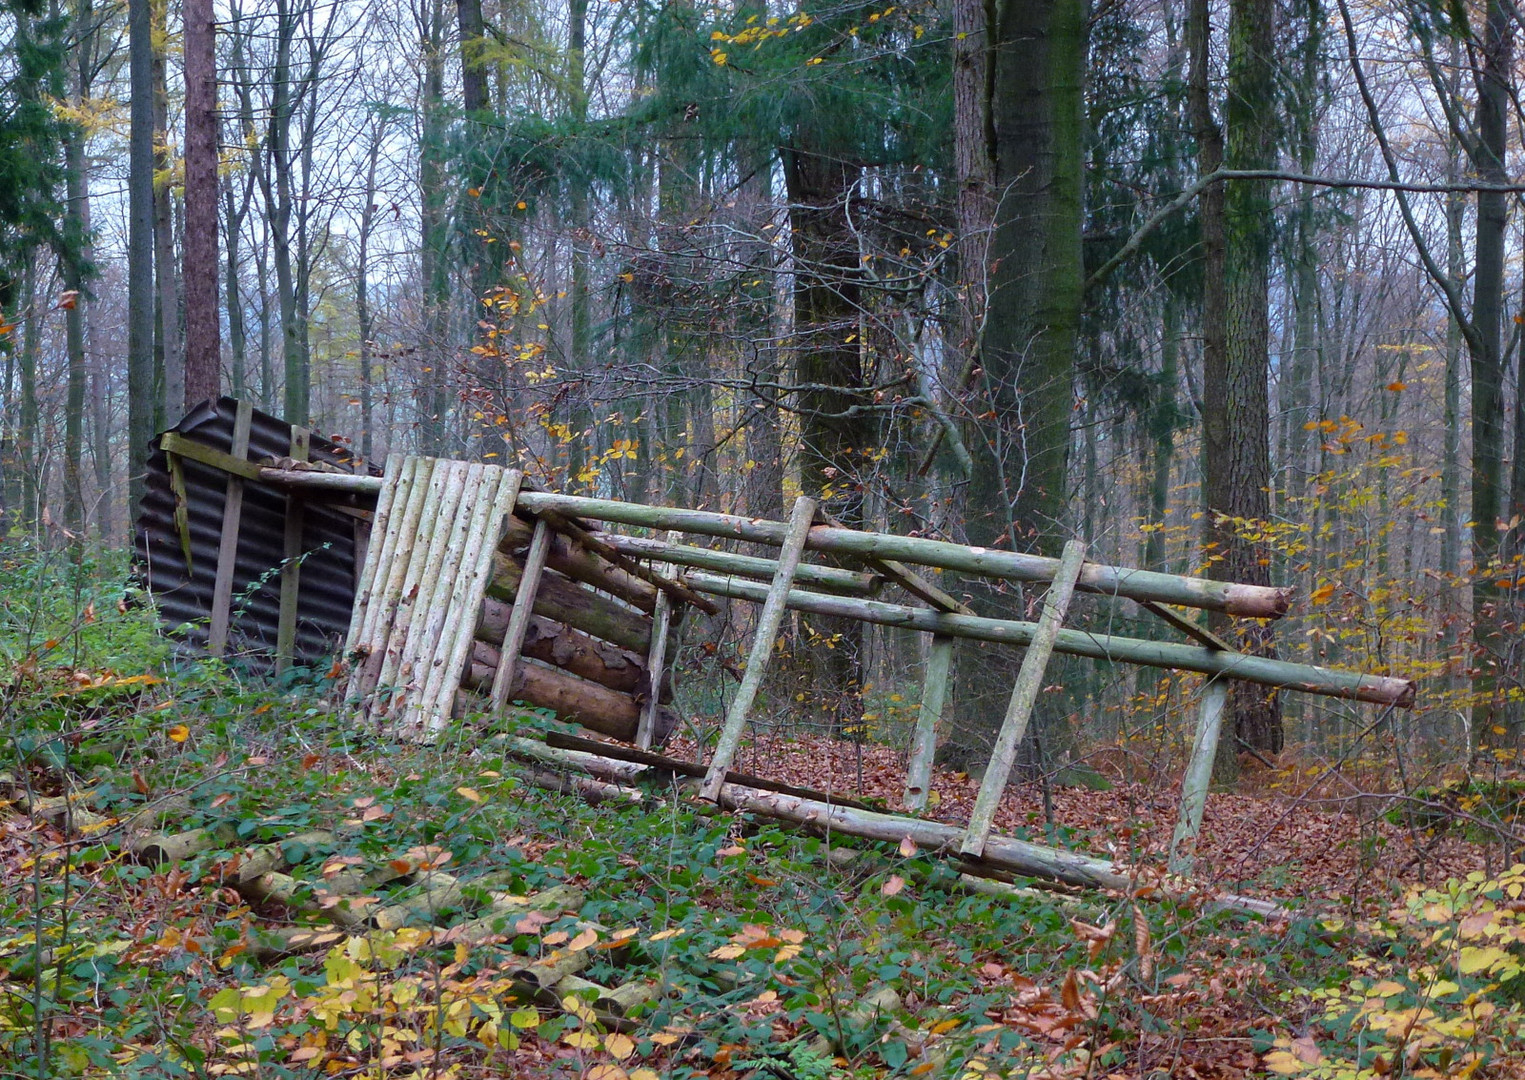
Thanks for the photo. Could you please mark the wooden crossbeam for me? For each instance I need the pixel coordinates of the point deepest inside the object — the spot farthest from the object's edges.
(934, 693)
(1199, 634)
(291, 569)
(1023, 696)
(227, 544)
(656, 661)
(1199, 773)
(519, 620)
(768, 622)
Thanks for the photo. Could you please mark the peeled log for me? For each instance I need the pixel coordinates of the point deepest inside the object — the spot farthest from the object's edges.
(574, 700)
(563, 601)
(586, 657)
(580, 564)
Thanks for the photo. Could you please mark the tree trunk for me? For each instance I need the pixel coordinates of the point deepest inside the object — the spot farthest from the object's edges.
(141, 406)
(835, 444)
(169, 349)
(1018, 496)
(1236, 409)
(433, 188)
(1492, 640)
(72, 264)
(203, 339)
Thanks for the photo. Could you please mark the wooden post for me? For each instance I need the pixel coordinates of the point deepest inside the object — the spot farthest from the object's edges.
(1199, 773)
(386, 582)
(657, 660)
(518, 622)
(466, 598)
(1023, 696)
(291, 571)
(389, 505)
(762, 646)
(227, 545)
(934, 692)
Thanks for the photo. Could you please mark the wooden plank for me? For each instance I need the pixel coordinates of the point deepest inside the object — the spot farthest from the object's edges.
(227, 544)
(291, 569)
(1199, 774)
(172, 442)
(1023, 696)
(524, 607)
(656, 661)
(466, 598)
(934, 691)
(182, 508)
(768, 622)
(1199, 634)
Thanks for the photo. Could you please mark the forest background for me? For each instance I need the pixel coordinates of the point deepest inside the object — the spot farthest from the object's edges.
(1230, 289)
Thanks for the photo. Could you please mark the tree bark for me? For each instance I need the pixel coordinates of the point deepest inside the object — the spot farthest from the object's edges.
(141, 406)
(203, 339)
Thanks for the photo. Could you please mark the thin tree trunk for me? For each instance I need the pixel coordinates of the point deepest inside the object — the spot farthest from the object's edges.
(77, 235)
(169, 350)
(141, 391)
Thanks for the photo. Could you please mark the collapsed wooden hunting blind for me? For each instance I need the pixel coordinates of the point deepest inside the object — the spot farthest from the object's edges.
(469, 589)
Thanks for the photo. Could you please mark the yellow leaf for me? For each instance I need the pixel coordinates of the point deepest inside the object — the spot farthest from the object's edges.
(581, 1040)
(621, 1046)
(469, 794)
(663, 935)
(1282, 1063)
(1321, 594)
(907, 847)
(179, 733)
(1476, 958)
(1396, 386)
(583, 940)
(892, 886)
(718, 56)
(606, 1071)
(727, 952)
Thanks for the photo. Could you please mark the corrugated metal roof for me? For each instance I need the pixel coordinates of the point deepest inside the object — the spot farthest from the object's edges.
(329, 568)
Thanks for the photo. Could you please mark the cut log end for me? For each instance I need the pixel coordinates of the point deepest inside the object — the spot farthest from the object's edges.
(1256, 601)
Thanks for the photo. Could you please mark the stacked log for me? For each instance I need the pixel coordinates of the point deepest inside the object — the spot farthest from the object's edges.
(584, 654)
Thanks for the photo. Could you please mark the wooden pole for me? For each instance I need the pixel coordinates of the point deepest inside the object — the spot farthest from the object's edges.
(291, 571)
(577, 654)
(934, 691)
(518, 622)
(390, 502)
(830, 578)
(1199, 773)
(655, 663)
(386, 590)
(762, 646)
(1024, 695)
(227, 544)
(1254, 601)
(466, 597)
(1378, 689)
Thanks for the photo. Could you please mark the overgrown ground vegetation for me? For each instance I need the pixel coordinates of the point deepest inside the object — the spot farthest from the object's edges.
(421, 894)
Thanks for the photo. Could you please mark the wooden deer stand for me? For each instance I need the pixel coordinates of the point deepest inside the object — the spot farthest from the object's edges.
(476, 591)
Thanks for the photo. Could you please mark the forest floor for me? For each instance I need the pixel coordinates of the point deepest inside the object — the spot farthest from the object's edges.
(1281, 835)
(492, 928)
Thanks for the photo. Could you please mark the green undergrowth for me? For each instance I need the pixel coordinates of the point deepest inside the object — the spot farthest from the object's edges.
(767, 952)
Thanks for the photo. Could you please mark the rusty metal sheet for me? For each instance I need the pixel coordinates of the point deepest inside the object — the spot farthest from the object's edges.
(184, 599)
